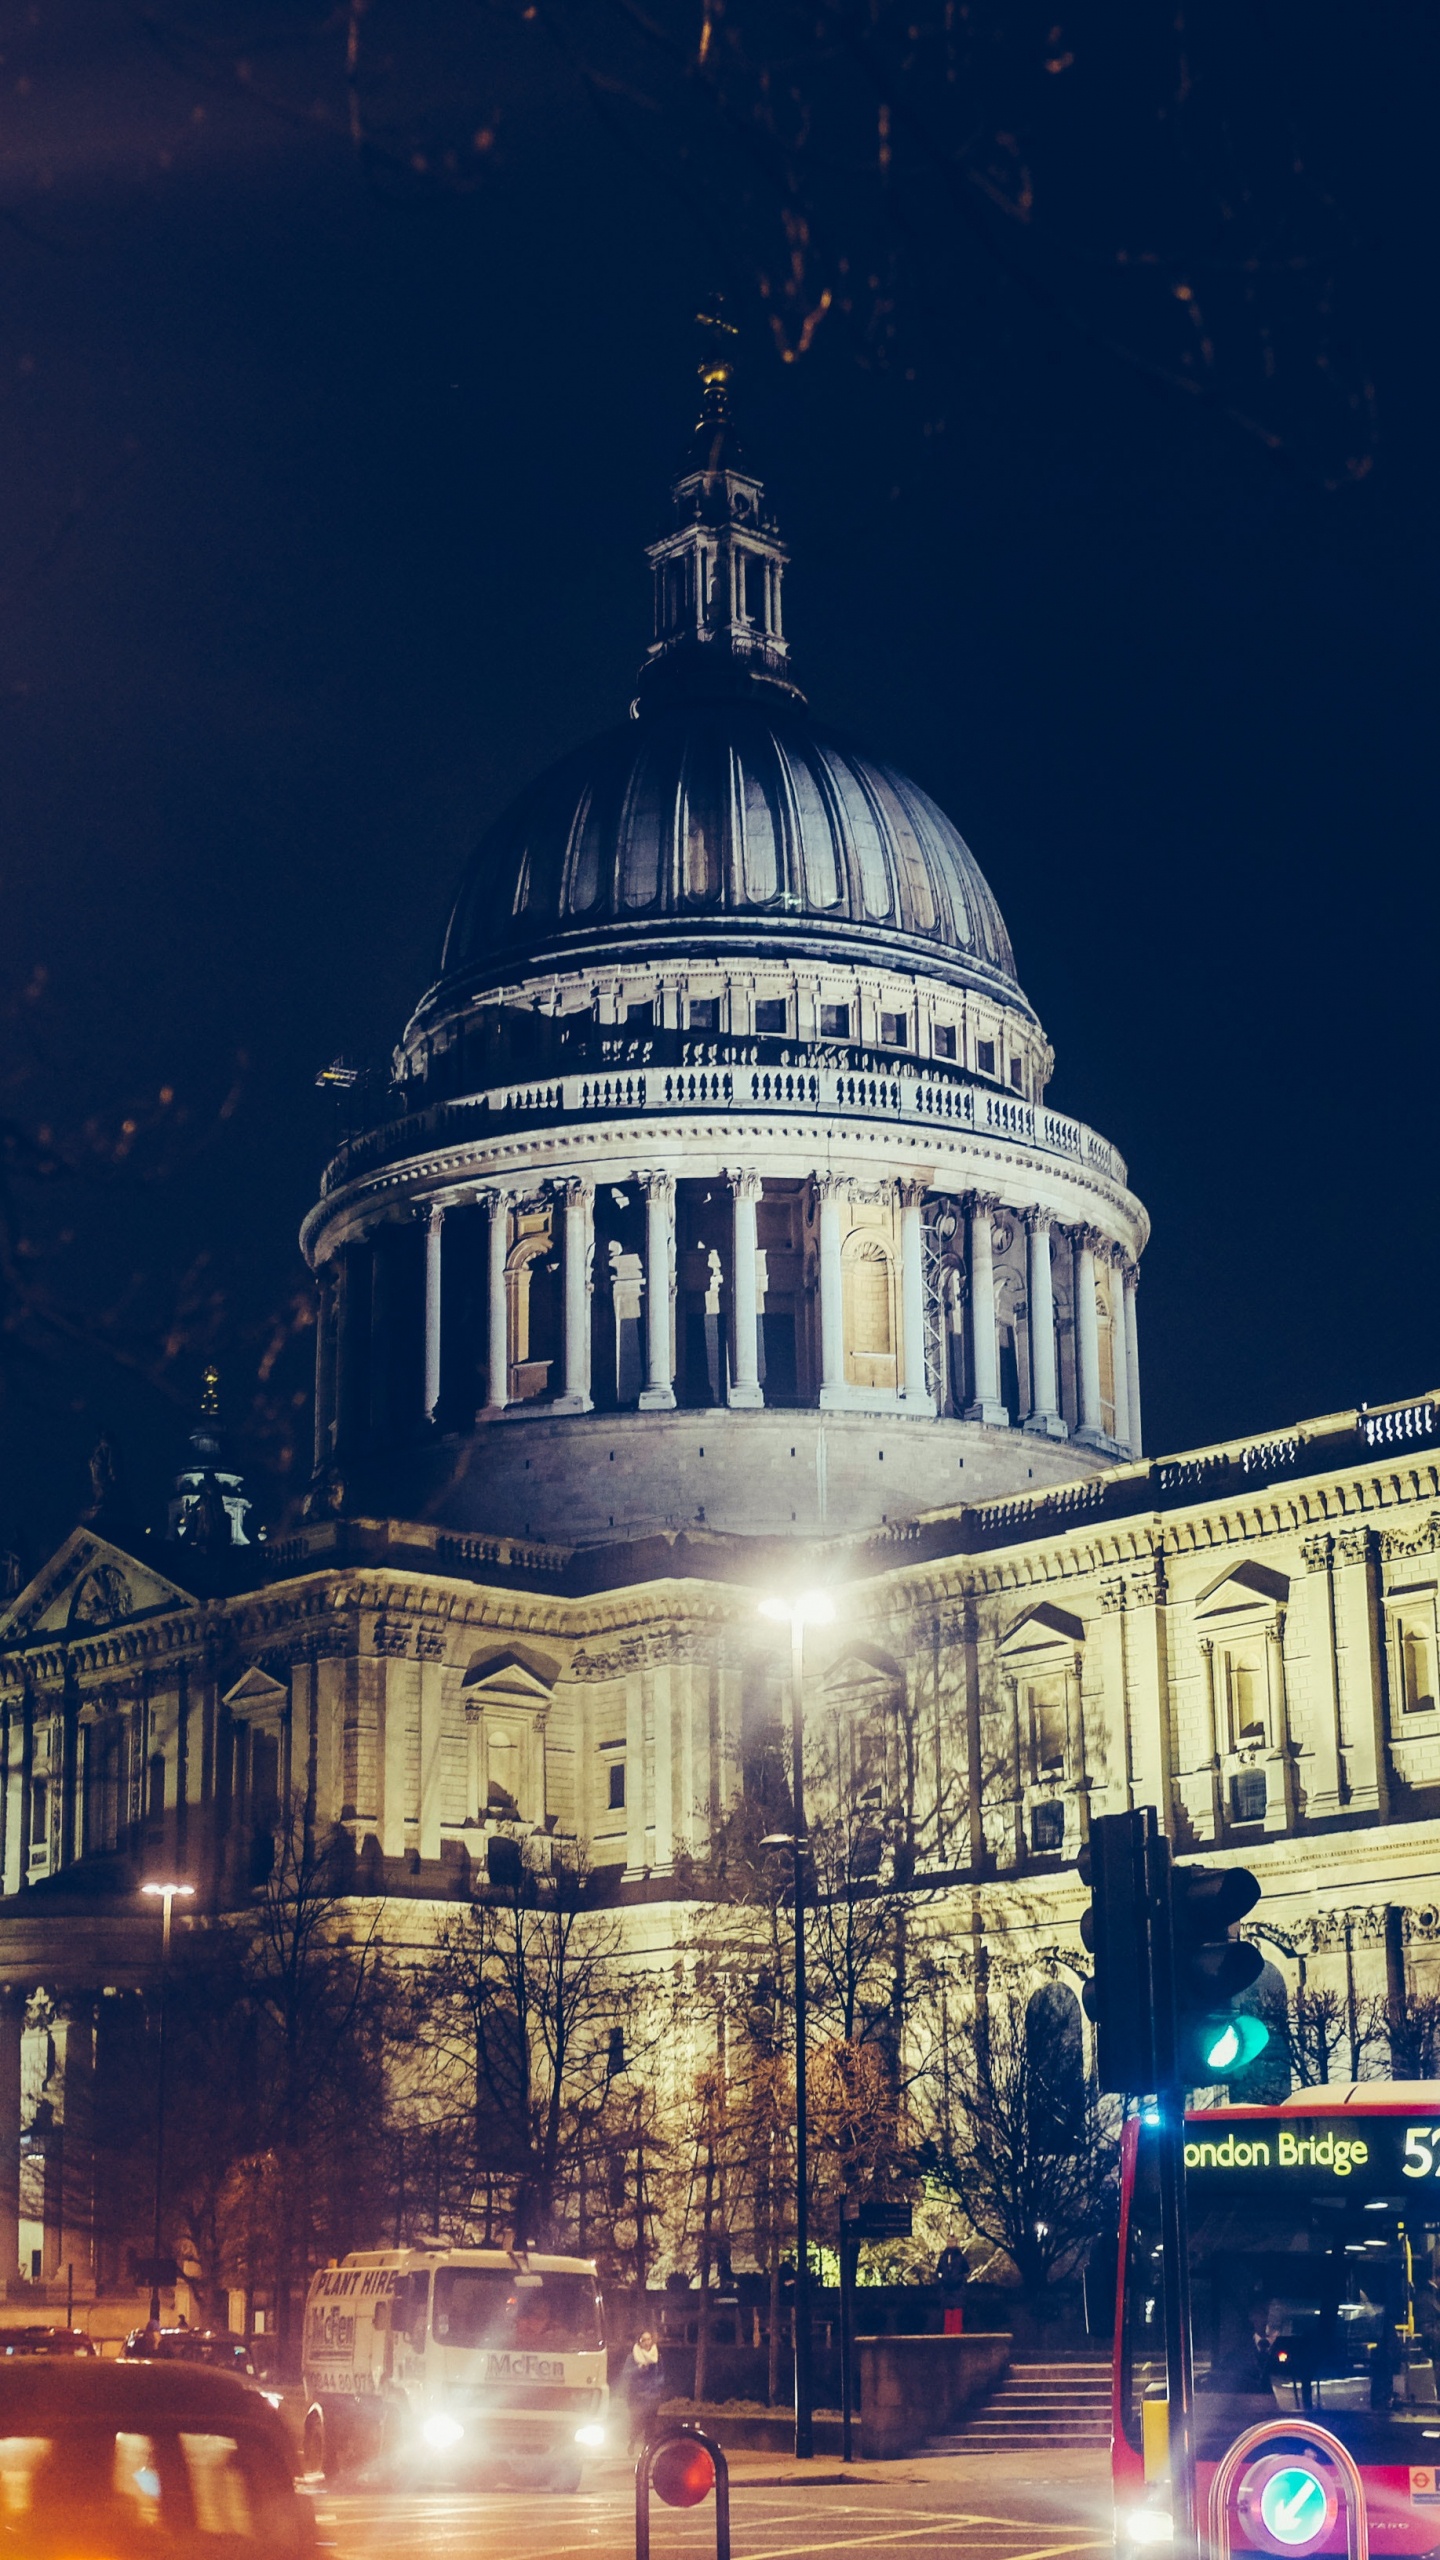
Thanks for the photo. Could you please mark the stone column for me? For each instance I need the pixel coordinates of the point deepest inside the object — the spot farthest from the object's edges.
(1087, 1340)
(984, 1346)
(12, 2027)
(434, 1231)
(1132, 1360)
(325, 1322)
(1117, 1348)
(1044, 1414)
(577, 1197)
(352, 1385)
(658, 1391)
(497, 1378)
(745, 1388)
(832, 1294)
(912, 1296)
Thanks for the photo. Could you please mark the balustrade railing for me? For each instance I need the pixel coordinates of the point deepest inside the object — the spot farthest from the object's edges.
(824, 1090)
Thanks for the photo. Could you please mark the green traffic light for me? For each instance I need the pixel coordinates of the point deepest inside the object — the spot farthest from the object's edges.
(1231, 2043)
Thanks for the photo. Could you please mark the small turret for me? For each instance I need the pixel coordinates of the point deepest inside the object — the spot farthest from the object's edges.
(207, 1510)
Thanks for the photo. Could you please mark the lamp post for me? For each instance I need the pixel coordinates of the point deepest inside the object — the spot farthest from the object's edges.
(814, 1609)
(166, 1894)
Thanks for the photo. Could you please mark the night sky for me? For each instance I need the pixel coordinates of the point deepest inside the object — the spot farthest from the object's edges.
(323, 485)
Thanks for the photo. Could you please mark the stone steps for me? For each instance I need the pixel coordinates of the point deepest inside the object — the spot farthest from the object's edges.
(1061, 2406)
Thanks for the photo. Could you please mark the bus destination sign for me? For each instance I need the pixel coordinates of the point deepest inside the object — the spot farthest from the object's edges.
(1374, 2155)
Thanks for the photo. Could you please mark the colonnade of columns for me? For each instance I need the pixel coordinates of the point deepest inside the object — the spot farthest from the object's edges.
(573, 1384)
(1087, 1250)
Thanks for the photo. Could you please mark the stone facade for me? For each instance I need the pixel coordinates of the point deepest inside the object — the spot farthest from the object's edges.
(1245, 1637)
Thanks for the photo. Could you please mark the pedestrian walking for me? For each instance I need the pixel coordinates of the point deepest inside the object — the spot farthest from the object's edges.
(644, 2388)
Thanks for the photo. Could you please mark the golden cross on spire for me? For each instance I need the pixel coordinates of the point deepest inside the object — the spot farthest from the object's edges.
(210, 1390)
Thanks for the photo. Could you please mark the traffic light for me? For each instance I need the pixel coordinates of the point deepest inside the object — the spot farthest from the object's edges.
(1213, 2040)
(1124, 1862)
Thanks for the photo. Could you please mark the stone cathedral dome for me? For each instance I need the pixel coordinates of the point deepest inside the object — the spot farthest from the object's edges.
(718, 1188)
(700, 819)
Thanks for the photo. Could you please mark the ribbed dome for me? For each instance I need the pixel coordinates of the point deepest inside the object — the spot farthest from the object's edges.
(722, 816)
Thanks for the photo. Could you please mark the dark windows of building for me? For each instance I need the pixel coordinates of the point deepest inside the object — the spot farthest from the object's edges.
(1017, 1074)
(834, 1022)
(155, 1787)
(1417, 1664)
(985, 1057)
(944, 1039)
(1247, 1795)
(1047, 1826)
(640, 1017)
(704, 1013)
(617, 1786)
(895, 1030)
(770, 1014)
(39, 1814)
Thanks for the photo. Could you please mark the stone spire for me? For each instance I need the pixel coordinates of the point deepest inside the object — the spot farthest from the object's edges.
(719, 571)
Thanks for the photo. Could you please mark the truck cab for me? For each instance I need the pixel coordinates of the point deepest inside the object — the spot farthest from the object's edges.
(482, 2363)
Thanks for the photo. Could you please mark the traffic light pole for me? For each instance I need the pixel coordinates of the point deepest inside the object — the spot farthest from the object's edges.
(1174, 2232)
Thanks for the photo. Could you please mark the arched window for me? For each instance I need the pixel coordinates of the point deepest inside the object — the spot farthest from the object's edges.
(534, 1285)
(869, 1278)
(1054, 2072)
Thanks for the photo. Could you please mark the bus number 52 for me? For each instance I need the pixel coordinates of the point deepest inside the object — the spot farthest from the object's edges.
(1420, 2140)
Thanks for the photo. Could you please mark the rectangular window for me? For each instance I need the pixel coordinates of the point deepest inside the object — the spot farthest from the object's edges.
(895, 1030)
(617, 1786)
(1245, 1696)
(1417, 1666)
(944, 1037)
(704, 1013)
(1017, 1074)
(770, 1014)
(834, 1022)
(1047, 1826)
(640, 1017)
(1048, 1703)
(985, 1057)
(1247, 1795)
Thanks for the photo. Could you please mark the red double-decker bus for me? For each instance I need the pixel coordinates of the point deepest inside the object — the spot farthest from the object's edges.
(1315, 2281)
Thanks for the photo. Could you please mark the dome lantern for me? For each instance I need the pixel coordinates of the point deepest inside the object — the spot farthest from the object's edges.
(718, 573)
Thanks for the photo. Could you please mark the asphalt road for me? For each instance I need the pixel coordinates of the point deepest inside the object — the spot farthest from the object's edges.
(1040, 2507)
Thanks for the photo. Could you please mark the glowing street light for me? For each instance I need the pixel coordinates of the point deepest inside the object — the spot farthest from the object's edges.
(165, 1892)
(805, 1609)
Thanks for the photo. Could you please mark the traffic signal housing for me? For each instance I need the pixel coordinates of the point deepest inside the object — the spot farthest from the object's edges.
(1213, 2039)
(1124, 1862)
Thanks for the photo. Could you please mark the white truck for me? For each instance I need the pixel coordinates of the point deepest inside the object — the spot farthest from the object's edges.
(482, 2363)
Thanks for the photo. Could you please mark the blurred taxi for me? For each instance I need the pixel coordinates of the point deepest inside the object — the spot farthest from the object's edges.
(102, 2461)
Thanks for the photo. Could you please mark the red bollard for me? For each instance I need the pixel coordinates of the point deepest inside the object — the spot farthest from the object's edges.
(682, 2467)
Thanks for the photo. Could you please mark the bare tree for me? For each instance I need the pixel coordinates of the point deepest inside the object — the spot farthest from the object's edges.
(1016, 2131)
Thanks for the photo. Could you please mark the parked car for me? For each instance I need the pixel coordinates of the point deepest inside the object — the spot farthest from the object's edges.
(153, 2457)
(46, 2342)
(219, 2348)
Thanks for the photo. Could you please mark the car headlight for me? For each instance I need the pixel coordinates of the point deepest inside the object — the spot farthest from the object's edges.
(1147, 2524)
(592, 2437)
(442, 2430)
(275, 2398)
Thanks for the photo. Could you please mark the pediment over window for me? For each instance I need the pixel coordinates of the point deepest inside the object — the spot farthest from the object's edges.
(509, 1676)
(863, 1677)
(88, 1586)
(257, 1698)
(1243, 1586)
(1039, 1630)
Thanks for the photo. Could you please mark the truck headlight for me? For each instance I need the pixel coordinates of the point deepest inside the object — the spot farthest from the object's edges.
(442, 2430)
(592, 2437)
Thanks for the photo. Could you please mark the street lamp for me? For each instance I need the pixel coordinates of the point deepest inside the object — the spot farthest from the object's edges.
(165, 1893)
(808, 1609)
